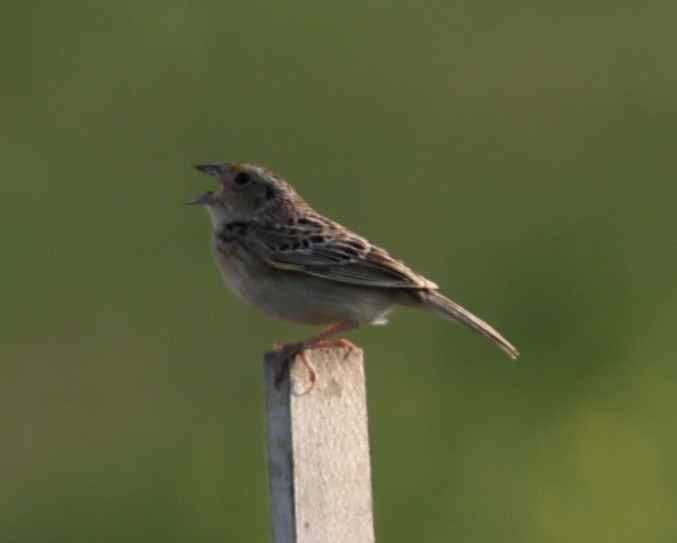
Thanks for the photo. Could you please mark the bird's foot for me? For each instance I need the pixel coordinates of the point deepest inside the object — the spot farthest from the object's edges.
(286, 354)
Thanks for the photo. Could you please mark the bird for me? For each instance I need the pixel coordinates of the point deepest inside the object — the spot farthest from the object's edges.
(279, 255)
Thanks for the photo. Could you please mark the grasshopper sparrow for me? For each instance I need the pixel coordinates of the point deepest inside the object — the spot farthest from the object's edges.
(280, 256)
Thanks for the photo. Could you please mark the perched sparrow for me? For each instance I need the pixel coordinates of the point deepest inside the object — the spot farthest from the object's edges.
(282, 257)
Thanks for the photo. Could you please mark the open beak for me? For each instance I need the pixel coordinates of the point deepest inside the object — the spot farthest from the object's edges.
(209, 197)
(205, 199)
(211, 169)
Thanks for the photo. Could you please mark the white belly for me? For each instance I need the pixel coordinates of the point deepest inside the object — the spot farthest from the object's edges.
(298, 297)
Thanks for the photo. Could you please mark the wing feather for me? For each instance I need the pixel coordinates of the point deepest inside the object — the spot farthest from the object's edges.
(322, 248)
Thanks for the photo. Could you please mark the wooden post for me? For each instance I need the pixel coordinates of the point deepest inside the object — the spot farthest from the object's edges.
(318, 451)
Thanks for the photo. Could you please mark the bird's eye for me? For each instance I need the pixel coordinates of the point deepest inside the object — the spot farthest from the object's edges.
(242, 178)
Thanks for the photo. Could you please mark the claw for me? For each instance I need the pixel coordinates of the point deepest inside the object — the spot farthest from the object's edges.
(286, 353)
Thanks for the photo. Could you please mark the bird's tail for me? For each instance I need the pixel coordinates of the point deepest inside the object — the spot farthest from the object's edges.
(435, 302)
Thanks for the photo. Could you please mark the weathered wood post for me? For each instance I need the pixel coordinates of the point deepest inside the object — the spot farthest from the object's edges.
(318, 451)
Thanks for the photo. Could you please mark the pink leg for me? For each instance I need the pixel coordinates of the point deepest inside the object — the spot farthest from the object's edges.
(288, 352)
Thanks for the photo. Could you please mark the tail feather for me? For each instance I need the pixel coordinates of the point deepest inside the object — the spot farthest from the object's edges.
(444, 307)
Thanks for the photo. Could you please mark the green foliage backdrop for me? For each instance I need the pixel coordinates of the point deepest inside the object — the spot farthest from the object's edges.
(520, 154)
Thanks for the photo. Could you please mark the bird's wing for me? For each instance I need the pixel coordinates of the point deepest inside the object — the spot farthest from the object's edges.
(322, 248)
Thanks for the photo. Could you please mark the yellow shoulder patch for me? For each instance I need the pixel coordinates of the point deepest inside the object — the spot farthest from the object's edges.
(284, 265)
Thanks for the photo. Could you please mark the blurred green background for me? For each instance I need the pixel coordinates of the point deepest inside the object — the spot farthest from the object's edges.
(521, 154)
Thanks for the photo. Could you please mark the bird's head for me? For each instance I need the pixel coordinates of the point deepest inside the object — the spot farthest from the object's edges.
(245, 191)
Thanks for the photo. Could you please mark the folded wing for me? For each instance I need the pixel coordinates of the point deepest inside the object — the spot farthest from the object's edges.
(319, 247)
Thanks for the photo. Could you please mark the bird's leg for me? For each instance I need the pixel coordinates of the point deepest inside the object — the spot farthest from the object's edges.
(319, 339)
(287, 352)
